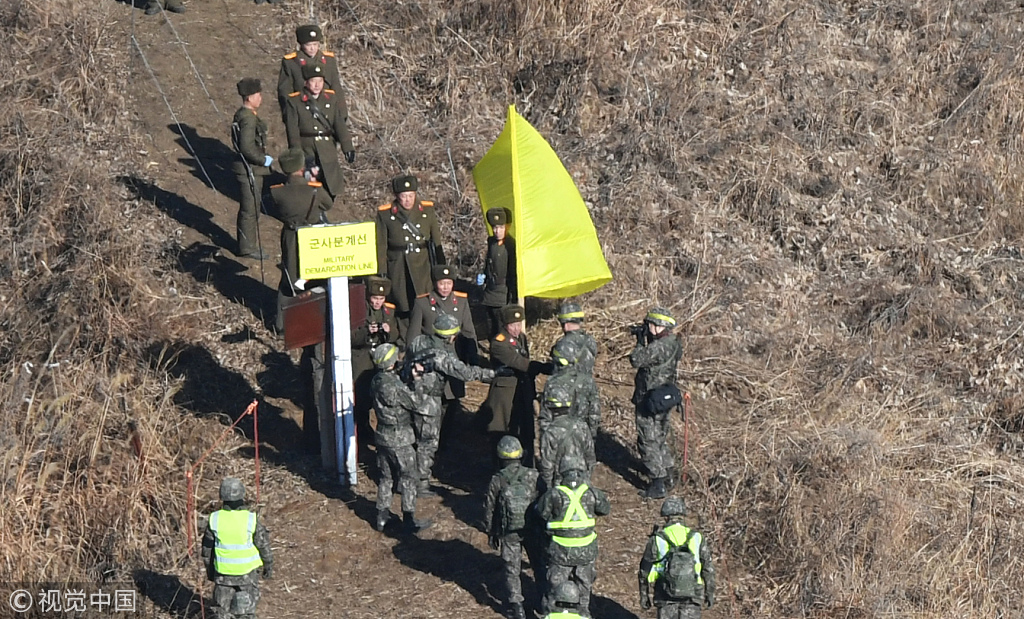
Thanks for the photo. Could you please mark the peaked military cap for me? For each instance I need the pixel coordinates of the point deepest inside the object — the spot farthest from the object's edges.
(446, 324)
(442, 271)
(377, 286)
(512, 313)
(404, 183)
(310, 71)
(497, 216)
(292, 160)
(308, 34)
(248, 86)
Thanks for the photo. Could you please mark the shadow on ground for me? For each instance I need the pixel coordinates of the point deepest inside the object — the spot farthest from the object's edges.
(479, 574)
(619, 459)
(180, 209)
(169, 594)
(214, 161)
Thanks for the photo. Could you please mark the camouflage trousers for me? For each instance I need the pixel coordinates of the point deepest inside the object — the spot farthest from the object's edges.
(677, 610)
(396, 463)
(583, 575)
(512, 547)
(655, 441)
(428, 433)
(235, 601)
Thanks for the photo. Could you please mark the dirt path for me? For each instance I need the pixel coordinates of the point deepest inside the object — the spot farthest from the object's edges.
(330, 562)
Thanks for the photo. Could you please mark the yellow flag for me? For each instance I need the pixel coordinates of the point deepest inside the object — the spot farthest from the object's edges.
(557, 251)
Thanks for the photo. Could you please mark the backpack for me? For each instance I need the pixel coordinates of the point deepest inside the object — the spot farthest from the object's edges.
(680, 575)
(515, 499)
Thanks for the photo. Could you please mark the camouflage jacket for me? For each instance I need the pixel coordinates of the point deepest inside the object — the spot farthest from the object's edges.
(552, 506)
(499, 481)
(585, 404)
(588, 349)
(395, 404)
(564, 436)
(656, 364)
(447, 363)
(260, 539)
(428, 390)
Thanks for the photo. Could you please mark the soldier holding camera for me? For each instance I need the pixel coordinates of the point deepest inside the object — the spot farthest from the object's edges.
(380, 328)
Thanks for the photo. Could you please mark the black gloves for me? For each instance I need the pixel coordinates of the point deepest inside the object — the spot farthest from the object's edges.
(350, 156)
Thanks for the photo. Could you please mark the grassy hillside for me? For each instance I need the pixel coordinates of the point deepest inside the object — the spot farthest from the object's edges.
(826, 194)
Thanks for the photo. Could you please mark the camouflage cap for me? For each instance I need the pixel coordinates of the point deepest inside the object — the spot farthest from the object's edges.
(565, 352)
(497, 216)
(661, 317)
(377, 286)
(673, 506)
(509, 448)
(442, 271)
(385, 355)
(419, 345)
(566, 593)
(446, 325)
(308, 34)
(292, 160)
(231, 489)
(570, 312)
(248, 86)
(512, 313)
(309, 71)
(401, 184)
(557, 396)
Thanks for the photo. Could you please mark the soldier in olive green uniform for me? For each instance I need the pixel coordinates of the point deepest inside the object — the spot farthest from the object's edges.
(656, 356)
(298, 203)
(310, 52)
(236, 551)
(499, 269)
(510, 398)
(249, 135)
(408, 245)
(316, 119)
(445, 300)
(380, 328)
(174, 6)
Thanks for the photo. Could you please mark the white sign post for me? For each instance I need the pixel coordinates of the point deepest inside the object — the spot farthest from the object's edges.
(337, 252)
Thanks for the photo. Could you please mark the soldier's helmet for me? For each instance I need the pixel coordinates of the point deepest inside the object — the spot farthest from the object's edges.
(566, 593)
(673, 506)
(570, 312)
(231, 489)
(385, 355)
(571, 463)
(446, 325)
(509, 448)
(557, 396)
(661, 317)
(419, 347)
(565, 352)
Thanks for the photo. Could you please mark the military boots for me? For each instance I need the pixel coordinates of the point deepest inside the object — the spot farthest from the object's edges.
(516, 611)
(383, 518)
(411, 525)
(658, 488)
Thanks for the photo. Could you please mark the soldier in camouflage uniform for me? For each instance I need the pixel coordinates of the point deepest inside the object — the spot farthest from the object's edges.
(396, 458)
(408, 245)
(380, 328)
(500, 287)
(510, 520)
(428, 387)
(656, 356)
(249, 136)
(569, 510)
(567, 602)
(155, 6)
(311, 52)
(236, 550)
(510, 399)
(316, 120)
(653, 566)
(564, 362)
(570, 316)
(566, 435)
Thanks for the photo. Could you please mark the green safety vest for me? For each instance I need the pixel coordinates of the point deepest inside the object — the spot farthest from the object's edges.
(234, 552)
(575, 520)
(677, 535)
(563, 614)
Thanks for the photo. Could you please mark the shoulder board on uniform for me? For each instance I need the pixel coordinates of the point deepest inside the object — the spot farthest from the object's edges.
(291, 56)
(328, 90)
(426, 203)
(423, 296)
(277, 185)
(383, 207)
(327, 53)
(315, 184)
(294, 94)
(461, 295)
(500, 337)
(389, 305)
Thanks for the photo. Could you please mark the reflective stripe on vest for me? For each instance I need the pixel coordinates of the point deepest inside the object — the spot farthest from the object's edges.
(234, 552)
(677, 535)
(563, 614)
(575, 519)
